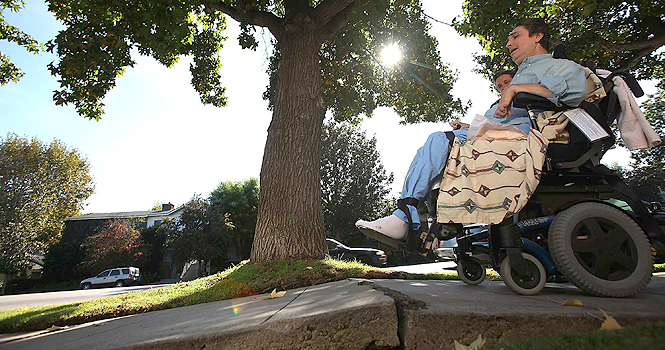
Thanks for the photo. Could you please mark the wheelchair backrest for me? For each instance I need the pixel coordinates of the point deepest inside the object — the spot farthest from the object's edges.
(602, 104)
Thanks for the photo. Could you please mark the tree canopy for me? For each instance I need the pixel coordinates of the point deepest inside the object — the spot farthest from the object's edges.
(354, 183)
(616, 35)
(40, 185)
(8, 70)
(97, 46)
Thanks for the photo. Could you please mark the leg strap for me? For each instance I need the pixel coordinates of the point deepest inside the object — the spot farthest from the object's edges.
(402, 205)
(411, 235)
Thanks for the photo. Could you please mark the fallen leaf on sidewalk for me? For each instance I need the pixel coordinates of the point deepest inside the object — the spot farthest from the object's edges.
(55, 328)
(610, 323)
(275, 294)
(477, 344)
(573, 302)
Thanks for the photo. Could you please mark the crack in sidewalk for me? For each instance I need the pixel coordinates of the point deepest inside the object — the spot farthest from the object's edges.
(283, 307)
(402, 302)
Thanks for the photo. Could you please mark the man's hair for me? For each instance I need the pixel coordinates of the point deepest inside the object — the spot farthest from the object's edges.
(502, 72)
(535, 26)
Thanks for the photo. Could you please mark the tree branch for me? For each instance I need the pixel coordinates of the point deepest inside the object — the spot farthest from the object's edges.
(334, 24)
(645, 48)
(653, 43)
(257, 18)
(329, 9)
(632, 63)
(294, 7)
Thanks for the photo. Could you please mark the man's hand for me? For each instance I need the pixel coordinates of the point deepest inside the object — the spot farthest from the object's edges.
(459, 125)
(503, 107)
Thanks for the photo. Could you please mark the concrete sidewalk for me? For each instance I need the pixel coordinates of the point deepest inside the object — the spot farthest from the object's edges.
(341, 313)
(358, 314)
(457, 311)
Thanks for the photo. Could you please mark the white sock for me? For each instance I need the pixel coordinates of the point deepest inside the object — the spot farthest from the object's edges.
(391, 226)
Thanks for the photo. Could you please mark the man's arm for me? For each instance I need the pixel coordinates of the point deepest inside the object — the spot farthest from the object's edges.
(503, 108)
(459, 125)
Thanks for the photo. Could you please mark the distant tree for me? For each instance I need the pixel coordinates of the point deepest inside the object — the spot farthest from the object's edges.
(117, 244)
(154, 239)
(40, 185)
(354, 183)
(619, 35)
(8, 70)
(240, 200)
(200, 233)
(63, 261)
(324, 58)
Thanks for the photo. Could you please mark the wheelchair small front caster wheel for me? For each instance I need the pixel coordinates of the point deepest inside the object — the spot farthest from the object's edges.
(529, 282)
(471, 271)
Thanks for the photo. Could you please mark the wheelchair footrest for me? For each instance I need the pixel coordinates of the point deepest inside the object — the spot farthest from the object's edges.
(383, 238)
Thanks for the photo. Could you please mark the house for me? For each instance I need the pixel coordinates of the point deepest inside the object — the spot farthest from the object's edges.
(143, 218)
(149, 218)
(146, 218)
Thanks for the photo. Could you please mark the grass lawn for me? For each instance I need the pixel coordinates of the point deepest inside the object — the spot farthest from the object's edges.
(659, 268)
(646, 336)
(239, 281)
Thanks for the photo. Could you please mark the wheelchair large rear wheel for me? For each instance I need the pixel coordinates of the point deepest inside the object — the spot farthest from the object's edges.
(529, 282)
(601, 250)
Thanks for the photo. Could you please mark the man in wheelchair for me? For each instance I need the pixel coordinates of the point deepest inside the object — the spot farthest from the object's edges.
(600, 248)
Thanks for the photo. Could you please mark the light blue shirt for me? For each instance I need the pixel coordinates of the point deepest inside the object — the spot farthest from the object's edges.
(566, 79)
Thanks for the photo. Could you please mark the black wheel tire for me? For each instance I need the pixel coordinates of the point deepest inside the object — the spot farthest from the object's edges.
(619, 248)
(524, 285)
(120, 283)
(471, 271)
(86, 286)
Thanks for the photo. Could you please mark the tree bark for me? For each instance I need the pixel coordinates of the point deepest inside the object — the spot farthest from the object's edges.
(4, 284)
(290, 219)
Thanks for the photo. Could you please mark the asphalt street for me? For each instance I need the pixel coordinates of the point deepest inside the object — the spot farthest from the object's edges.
(66, 297)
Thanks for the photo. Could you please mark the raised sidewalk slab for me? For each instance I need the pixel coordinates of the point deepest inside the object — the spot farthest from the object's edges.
(339, 315)
(456, 311)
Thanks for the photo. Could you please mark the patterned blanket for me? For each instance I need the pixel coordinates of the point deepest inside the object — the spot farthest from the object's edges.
(487, 180)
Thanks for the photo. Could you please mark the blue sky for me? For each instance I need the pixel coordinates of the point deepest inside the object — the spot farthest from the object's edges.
(158, 143)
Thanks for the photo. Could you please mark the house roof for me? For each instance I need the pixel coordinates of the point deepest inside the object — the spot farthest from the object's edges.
(124, 215)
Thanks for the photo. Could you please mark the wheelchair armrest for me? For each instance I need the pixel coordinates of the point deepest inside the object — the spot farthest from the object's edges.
(530, 101)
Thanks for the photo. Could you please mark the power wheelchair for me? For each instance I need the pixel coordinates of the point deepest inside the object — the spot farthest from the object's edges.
(582, 223)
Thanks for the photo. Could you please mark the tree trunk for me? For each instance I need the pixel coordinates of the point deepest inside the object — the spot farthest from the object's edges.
(290, 219)
(4, 284)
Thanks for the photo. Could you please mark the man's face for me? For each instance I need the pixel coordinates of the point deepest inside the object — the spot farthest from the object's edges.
(521, 45)
(502, 82)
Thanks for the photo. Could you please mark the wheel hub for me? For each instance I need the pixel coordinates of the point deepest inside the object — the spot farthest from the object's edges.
(527, 279)
(604, 248)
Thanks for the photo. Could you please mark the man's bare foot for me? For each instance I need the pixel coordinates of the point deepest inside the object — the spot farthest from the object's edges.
(391, 226)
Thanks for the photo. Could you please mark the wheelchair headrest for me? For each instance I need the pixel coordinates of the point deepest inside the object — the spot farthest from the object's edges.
(559, 51)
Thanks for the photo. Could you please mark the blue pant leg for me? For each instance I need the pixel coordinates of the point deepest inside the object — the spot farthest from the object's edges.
(429, 162)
